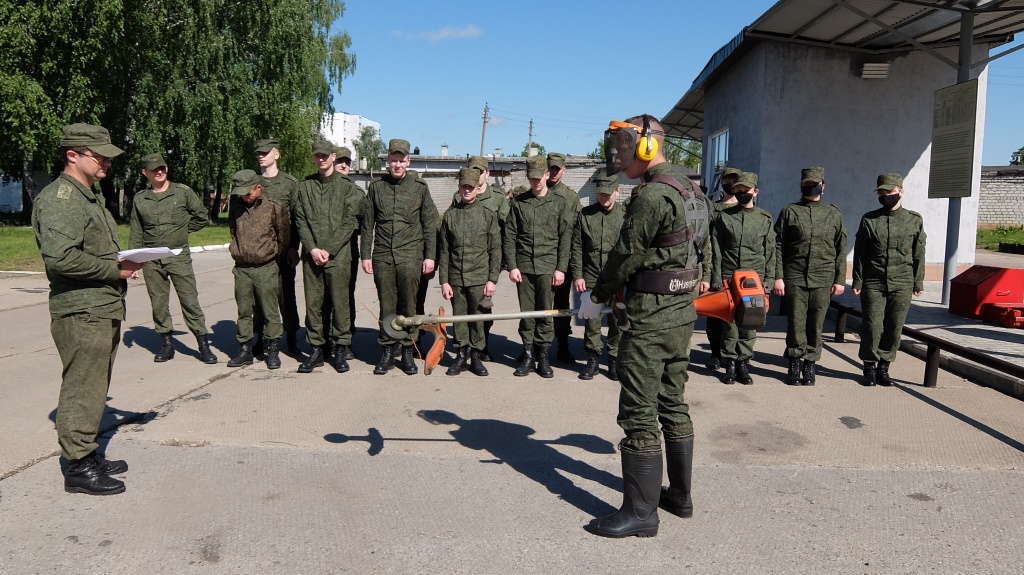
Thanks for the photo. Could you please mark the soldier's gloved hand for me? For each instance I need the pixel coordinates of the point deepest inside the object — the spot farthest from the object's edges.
(589, 309)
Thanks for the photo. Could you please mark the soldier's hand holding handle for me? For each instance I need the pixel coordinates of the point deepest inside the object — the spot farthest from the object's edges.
(838, 289)
(580, 285)
(515, 275)
(558, 278)
(368, 267)
(589, 309)
(489, 289)
(446, 291)
(780, 288)
(128, 268)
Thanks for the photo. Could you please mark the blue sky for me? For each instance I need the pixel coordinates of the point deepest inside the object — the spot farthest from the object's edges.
(425, 70)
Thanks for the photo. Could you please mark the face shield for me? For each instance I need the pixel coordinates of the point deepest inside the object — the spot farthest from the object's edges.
(620, 141)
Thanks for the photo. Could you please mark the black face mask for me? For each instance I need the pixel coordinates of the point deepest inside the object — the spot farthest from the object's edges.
(811, 191)
(743, 197)
(889, 201)
(727, 187)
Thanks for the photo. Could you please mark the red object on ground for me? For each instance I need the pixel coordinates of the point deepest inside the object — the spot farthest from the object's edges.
(1004, 314)
(985, 284)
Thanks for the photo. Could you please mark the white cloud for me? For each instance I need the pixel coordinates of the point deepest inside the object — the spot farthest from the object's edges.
(446, 33)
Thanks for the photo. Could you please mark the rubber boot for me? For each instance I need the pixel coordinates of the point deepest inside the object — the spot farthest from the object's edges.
(476, 363)
(592, 367)
(109, 466)
(641, 487)
(869, 375)
(338, 361)
(564, 353)
(461, 362)
(387, 360)
(543, 362)
(85, 476)
(808, 374)
(526, 363)
(273, 357)
(730, 372)
(743, 372)
(679, 465)
(408, 363)
(315, 360)
(292, 343)
(166, 349)
(882, 374)
(613, 370)
(244, 356)
(205, 353)
(795, 372)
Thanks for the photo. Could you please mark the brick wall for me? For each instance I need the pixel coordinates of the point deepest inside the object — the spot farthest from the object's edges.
(1000, 202)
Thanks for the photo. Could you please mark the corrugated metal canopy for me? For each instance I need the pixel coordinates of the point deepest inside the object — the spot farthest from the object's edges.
(867, 26)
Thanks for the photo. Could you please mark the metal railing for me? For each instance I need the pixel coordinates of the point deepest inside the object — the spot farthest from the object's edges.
(934, 345)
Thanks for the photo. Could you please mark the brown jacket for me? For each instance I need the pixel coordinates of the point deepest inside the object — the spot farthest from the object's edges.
(260, 231)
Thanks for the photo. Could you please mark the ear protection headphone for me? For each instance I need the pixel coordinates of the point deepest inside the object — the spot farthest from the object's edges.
(646, 146)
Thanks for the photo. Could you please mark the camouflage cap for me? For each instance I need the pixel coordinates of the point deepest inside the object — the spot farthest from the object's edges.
(748, 179)
(812, 176)
(95, 138)
(536, 167)
(243, 181)
(889, 181)
(606, 184)
(732, 172)
(267, 144)
(556, 159)
(342, 152)
(153, 161)
(478, 162)
(469, 176)
(398, 146)
(322, 146)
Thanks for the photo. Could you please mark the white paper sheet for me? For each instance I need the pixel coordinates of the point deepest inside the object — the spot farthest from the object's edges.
(142, 255)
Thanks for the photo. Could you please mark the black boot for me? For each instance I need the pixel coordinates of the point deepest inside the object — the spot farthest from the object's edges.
(526, 362)
(461, 362)
(86, 476)
(315, 360)
(743, 372)
(882, 374)
(338, 360)
(808, 375)
(543, 362)
(205, 353)
(679, 465)
(387, 360)
(870, 372)
(257, 344)
(730, 372)
(328, 349)
(408, 363)
(346, 352)
(715, 362)
(476, 364)
(166, 349)
(795, 372)
(292, 344)
(641, 486)
(109, 466)
(592, 367)
(273, 357)
(244, 356)
(613, 370)
(564, 353)
(485, 355)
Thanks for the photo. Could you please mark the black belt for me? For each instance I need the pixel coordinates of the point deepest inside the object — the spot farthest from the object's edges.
(665, 282)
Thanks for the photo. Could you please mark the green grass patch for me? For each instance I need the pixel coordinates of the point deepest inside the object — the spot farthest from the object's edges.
(18, 250)
(990, 239)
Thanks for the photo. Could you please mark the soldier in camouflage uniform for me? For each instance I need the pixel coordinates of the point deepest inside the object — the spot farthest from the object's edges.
(888, 269)
(743, 238)
(468, 266)
(343, 164)
(596, 231)
(260, 232)
(657, 259)
(570, 210)
(77, 238)
(328, 209)
(280, 187)
(492, 197)
(399, 243)
(810, 268)
(537, 244)
(163, 216)
(715, 326)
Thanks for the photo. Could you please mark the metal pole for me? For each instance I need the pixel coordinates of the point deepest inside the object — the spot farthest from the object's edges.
(483, 132)
(963, 74)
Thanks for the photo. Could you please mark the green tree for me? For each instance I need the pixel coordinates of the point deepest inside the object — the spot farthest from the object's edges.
(683, 151)
(526, 150)
(598, 152)
(1017, 158)
(370, 146)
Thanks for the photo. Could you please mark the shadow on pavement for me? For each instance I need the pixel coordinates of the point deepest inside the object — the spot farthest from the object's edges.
(997, 435)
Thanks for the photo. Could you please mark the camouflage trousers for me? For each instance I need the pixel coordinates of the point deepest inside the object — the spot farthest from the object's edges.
(885, 311)
(737, 343)
(466, 300)
(287, 302)
(159, 276)
(326, 289)
(257, 287)
(397, 289)
(652, 375)
(536, 293)
(805, 312)
(87, 346)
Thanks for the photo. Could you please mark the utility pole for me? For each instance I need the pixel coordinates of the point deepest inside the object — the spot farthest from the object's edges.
(529, 145)
(483, 133)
